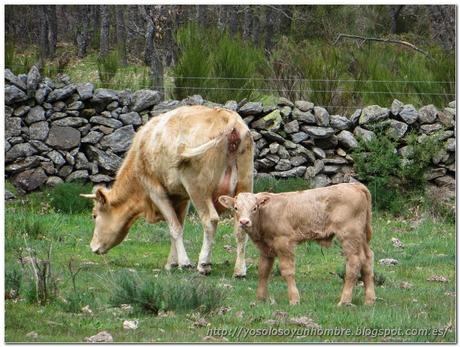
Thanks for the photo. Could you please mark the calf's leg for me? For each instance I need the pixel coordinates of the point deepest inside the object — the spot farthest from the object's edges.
(351, 249)
(367, 272)
(287, 267)
(265, 268)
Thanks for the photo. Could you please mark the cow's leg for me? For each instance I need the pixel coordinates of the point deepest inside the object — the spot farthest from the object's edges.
(181, 209)
(245, 183)
(367, 271)
(209, 219)
(162, 202)
(351, 249)
(265, 268)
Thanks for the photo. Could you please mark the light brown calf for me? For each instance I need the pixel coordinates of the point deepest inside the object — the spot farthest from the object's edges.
(278, 222)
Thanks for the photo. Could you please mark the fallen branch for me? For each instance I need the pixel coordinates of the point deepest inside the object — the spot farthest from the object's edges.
(365, 39)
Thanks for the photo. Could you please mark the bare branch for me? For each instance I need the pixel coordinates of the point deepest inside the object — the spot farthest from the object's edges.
(363, 40)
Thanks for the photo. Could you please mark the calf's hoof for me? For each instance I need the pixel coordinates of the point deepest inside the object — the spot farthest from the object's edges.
(369, 301)
(204, 269)
(345, 304)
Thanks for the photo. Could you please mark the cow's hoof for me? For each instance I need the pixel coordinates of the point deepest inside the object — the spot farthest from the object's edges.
(204, 269)
(369, 302)
(294, 302)
(186, 266)
(169, 267)
(239, 276)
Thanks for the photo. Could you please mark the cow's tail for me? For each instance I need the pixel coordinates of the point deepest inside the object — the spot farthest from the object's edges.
(192, 152)
(368, 214)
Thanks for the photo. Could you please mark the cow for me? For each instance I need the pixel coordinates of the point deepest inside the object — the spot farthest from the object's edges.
(276, 223)
(192, 153)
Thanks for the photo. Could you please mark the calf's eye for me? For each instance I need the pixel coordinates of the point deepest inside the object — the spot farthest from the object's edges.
(236, 208)
(254, 209)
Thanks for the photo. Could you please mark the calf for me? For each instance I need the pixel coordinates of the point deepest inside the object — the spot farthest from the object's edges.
(276, 223)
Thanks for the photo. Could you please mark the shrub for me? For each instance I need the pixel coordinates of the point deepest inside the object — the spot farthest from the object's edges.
(13, 279)
(66, 198)
(166, 293)
(75, 301)
(107, 67)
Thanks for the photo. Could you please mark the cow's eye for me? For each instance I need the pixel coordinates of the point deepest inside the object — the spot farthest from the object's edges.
(236, 208)
(254, 209)
(94, 216)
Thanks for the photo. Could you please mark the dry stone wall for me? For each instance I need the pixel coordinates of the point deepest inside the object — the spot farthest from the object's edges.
(58, 131)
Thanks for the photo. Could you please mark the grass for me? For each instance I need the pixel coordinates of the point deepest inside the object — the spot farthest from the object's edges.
(429, 250)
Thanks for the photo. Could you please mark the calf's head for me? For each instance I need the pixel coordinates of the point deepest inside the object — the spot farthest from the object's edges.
(111, 222)
(246, 208)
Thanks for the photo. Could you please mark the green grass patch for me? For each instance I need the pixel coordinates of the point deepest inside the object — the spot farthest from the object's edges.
(66, 197)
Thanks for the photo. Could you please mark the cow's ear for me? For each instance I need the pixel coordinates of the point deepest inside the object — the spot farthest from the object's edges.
(262, 201)
(101, 196)
(227, 201)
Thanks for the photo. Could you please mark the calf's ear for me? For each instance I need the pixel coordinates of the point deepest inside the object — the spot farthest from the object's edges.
(101, 196)
(227, 201)
(261, 201)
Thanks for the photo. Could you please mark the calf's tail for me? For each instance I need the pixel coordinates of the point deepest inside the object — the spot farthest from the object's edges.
(368, 214)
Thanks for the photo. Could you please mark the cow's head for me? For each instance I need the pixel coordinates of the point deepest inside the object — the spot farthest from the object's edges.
(111, 222)
(246, 208)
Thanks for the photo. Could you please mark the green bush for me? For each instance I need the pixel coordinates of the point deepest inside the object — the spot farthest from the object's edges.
(107, 67)
(13, 280)
(273, 185)
(66, 197)
(166, 292)
(75, 301)
(215, 65)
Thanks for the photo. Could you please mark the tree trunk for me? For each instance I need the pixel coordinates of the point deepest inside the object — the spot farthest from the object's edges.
(247, 23)
(121, 34)
(52, 29)
(442, 25)
(394, 14)
(255, 27)
(43, 38)
(233, 19)
(269, 29)
(104, 39)
(82, 31)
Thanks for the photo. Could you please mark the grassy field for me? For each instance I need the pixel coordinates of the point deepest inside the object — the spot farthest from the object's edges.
(429, 249)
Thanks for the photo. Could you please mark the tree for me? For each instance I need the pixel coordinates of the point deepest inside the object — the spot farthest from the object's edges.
(43, 38)
(52, 29)
(121, 34)
(394, 14)
(83, 23)
(269, 29)
(104, 39)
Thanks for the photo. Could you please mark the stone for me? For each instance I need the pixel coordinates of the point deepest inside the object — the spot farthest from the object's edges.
(106, 160)
(283, 165)
(446, 181)
(396, 107)
(445, 135)
(273, 158)
(17, 139)
(57, 115)
(327, 143)
(27, 163)
(304, 117)
(65, 171)
(274, 147)
(319, 153)
(164, 106)
(314, 170)
(53, 181)
(294, 172)
(39, 145)
(103, 336)
(282, 101)
(131, 118)
(340, 122)
(299, 137)
(292, 127)
(251, 108)
(144, 99)
(302, 151)
(56, 157)
(231, 105)
(74, 122)
(48, 166)
(450, 145)
(285, 112)
(388, 261)
(335, 161)
(100, 178)
(61, 93)
(20, 150)
(317, 132)
(263, 164)
(12, 126)
(331, 169)
(33, 78)
(364, 134)
(283, 153)
(396, 129)
(14, 80)
(104, 96)
(77, 175)
(36, 114)
(435, 173)
(30, 179)
(112, 106)
(42, 93)
(85, 90)
(373, 113)
(9, 195)
(130, 324)
(320, 180)
(261, 143)
(298, 160)
(338, 178)
(109, 122)
(430, 128)
(289, 144)
(125, 98)
(76, 106)
(341, 152)
(255, 135)
(39, 131)
(440, 157)
(452, 104)
(354, 119)
(427, 114)
(264, 152)
(321, 116)
(93, 137)
(446, 118)
(409, 114)
(271, 121)
(64, 138)
(120, 140)
(21, 111)
(272, 136)
(304, 106)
